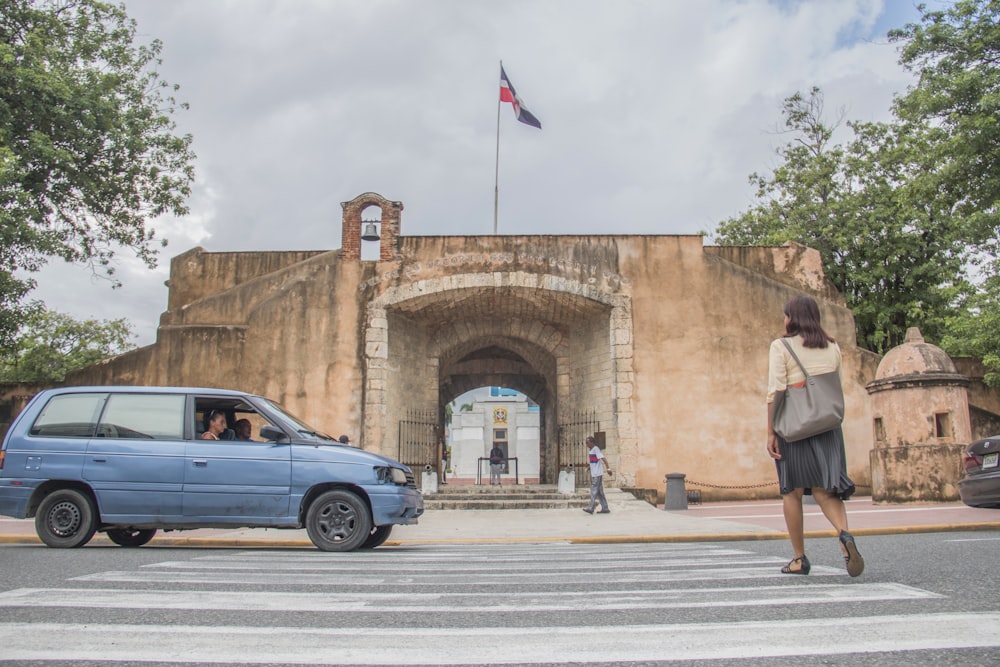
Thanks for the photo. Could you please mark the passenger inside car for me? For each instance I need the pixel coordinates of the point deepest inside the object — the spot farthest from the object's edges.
(215, 425)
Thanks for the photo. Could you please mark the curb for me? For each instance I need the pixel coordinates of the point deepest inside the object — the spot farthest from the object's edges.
(238, 542)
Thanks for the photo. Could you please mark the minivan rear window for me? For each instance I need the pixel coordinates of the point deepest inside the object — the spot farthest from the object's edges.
(143, 417)
(69, 416)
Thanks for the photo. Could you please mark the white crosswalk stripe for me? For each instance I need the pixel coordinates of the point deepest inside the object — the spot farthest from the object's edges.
(460, 603)
(475, 646)
(472, 604)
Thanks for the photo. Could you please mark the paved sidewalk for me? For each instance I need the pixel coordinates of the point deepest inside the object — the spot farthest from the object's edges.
(863, 516)
(629, 521)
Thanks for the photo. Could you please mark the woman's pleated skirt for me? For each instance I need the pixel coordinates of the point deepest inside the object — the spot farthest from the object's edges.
(818, 462)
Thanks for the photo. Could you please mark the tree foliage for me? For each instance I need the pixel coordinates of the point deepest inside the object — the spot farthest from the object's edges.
(88, 149)
(905, 213)
(888, 244)
(54, 344)
(955, 54)
(974, 329)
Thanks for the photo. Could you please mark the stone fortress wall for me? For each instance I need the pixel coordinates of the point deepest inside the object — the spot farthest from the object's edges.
(663, 338)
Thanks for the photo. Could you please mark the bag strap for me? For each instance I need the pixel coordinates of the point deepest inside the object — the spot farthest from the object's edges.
(795, 357)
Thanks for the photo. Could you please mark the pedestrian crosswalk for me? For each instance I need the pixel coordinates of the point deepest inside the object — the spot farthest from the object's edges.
(474, 604)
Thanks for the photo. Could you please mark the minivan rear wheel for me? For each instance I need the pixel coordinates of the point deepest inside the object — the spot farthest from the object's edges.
(338, 521)
(66, 519)
(130, 537)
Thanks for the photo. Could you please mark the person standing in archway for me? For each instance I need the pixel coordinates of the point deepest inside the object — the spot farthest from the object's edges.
(816, 465)
(598, 466)
(496, 464)
(444, 459)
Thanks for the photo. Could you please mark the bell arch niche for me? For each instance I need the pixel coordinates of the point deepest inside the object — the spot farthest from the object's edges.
(564, 344)
(389, 218)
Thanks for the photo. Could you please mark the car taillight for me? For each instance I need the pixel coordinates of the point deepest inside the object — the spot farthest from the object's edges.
(972, 461)
(3, 452)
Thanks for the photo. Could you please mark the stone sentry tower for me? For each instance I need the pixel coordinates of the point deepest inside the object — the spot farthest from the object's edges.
(920, 410)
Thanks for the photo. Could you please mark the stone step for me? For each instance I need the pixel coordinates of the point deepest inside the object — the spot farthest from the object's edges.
(503, 496)
(466, 490)
(515, 498)
(505, 504)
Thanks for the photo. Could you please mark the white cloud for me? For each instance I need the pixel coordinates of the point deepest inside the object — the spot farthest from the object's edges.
(654, 113)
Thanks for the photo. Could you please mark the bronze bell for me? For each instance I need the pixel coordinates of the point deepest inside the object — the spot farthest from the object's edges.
(371, 234)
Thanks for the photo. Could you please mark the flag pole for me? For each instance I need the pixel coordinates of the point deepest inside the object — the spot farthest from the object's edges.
(496, 174)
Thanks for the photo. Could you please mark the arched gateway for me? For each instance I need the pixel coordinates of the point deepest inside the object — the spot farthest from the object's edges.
(657, 342)
(547, 337)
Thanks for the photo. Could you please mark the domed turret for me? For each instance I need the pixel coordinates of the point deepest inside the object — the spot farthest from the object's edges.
(916, 360)
(920, 407)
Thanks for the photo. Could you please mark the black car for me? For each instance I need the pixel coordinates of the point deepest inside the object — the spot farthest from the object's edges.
(981, 486)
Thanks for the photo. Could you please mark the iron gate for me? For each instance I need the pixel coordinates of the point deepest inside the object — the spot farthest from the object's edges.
(573, 443)
(419, 441)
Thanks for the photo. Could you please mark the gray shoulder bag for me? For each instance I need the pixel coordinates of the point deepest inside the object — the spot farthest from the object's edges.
(810, 408)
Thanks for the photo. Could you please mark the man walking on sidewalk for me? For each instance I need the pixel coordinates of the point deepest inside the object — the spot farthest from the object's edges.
(598, 464)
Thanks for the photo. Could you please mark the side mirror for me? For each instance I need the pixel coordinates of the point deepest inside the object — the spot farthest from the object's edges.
(272, 433)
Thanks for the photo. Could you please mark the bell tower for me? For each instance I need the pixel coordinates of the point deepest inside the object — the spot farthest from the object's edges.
(352, 233)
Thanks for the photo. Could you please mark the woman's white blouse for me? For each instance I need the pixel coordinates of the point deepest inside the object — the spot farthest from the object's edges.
(783, 371)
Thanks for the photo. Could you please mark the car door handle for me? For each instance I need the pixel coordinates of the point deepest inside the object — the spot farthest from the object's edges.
(100, 460)
(201, 463)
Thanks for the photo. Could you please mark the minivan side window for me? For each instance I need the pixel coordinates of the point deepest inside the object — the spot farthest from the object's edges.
(143, 416)
(69, 416)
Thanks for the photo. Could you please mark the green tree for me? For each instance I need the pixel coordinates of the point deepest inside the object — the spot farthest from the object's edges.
(53, 344)
(887, 243)
(955, 55)
(974, 331)
(88, 149)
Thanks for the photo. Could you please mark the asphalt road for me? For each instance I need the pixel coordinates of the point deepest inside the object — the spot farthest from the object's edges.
(924, 599)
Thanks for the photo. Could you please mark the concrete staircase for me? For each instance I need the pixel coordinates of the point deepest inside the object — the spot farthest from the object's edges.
(516, 497)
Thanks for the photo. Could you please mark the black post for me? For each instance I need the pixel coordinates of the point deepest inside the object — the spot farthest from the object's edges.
(675, 497)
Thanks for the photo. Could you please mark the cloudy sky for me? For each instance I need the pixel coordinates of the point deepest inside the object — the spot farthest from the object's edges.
(654, 113)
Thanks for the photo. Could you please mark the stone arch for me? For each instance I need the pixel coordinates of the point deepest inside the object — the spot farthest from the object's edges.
(519, 365)
(390, 226)
(555, 339)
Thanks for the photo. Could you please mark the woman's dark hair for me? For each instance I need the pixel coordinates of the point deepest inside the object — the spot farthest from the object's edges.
(803, 320)
(210, 415)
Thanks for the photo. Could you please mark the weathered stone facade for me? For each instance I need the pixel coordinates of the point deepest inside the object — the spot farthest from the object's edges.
(662, 339)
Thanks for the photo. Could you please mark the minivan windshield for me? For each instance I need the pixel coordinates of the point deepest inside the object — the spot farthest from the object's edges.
(293, 423)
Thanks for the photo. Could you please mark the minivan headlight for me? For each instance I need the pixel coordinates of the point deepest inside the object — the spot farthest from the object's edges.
(387, 475)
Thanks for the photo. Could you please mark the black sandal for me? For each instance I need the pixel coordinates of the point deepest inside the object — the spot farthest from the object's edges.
(803, 567)
(855, 563)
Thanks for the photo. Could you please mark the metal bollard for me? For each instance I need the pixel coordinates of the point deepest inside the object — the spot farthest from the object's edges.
(429, 481)
(675, 497)
(567, 481)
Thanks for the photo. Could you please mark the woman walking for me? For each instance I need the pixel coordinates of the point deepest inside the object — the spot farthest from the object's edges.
(816, 465)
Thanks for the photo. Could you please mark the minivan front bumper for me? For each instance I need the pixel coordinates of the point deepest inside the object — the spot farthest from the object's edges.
(398, 505)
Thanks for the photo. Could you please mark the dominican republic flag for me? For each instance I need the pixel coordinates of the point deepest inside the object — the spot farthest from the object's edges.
(507, 94)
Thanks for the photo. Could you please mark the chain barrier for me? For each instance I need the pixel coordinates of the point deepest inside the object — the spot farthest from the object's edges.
(691, 482)
(762, 485)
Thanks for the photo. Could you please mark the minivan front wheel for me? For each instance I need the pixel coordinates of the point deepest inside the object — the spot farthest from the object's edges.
(130, 537)
(378, 537)
(66, 519)
(338, 521)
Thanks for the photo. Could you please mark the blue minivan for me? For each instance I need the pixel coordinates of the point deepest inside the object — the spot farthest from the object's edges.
(129, 461)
